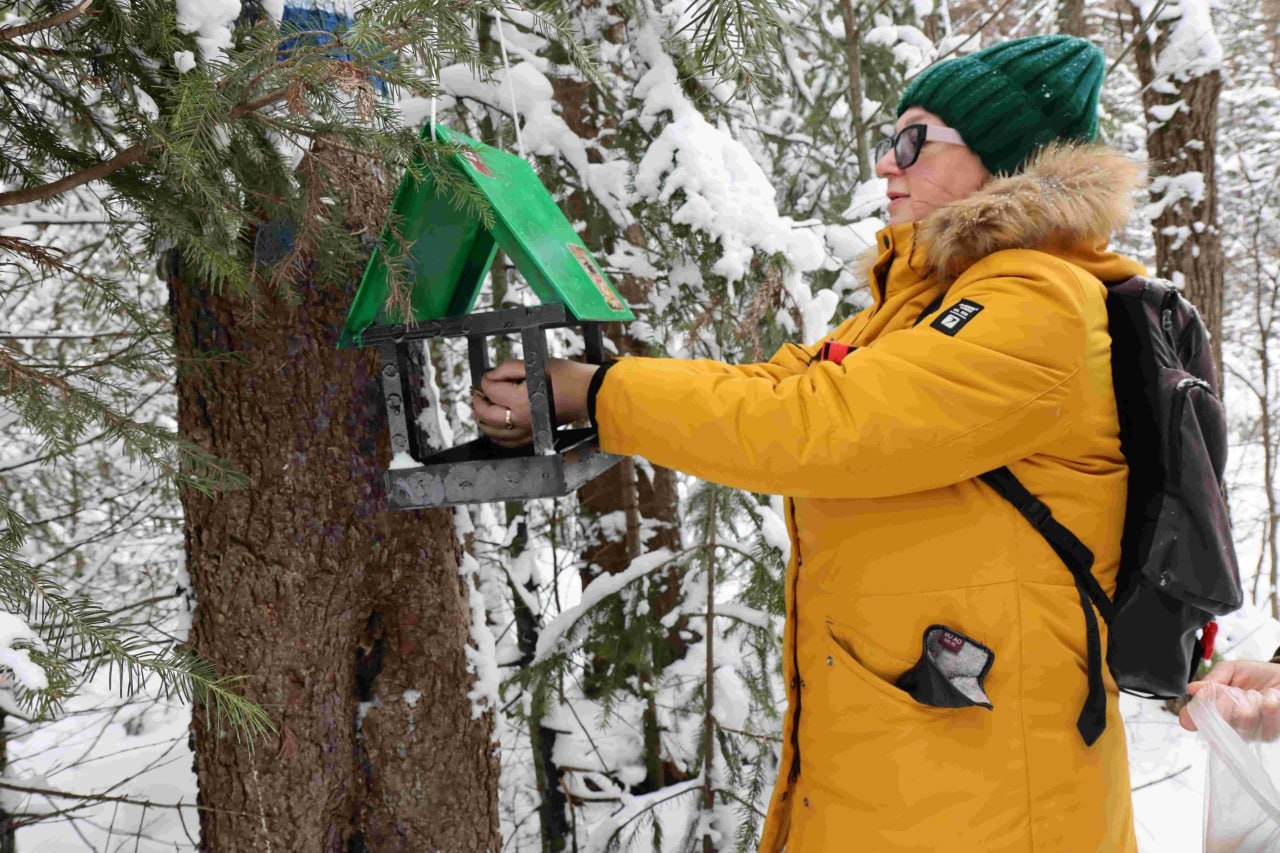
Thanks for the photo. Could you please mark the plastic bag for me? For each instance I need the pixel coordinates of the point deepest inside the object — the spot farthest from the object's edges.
(1242, 794)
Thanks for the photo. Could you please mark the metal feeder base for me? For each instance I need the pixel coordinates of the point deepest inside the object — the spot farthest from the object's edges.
(480, 471)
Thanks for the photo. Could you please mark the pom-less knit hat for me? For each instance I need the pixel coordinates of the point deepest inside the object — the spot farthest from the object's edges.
(1009, 99)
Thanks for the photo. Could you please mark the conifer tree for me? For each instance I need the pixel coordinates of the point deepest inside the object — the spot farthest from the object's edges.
(1247, 177)
(330, 608)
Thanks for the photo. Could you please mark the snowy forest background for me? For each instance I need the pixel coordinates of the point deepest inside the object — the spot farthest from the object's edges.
(187, 190)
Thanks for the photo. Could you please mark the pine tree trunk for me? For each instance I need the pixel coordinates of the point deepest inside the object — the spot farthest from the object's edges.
(1263, 294)
(1188, 243)
(348, 621)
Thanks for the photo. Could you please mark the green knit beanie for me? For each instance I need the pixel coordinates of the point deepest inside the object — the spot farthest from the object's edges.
(1009, 99)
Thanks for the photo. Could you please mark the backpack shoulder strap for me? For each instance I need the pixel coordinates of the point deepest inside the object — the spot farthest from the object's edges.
(1074, 553)
(930, 308)
(1079, 559)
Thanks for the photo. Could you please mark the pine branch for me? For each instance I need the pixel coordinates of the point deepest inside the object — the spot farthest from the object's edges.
(20, 30)
(80, 628)
(127, 157)
(96, 798)
(36, 51)
(258, 103)
(193, 467)
(733, 40)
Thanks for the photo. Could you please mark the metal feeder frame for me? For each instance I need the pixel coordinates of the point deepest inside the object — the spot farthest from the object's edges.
(479, 471)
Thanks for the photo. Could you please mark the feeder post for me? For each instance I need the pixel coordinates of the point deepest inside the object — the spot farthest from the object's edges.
(593, 343)
(542, 406)
(398, 368)
(478, 357)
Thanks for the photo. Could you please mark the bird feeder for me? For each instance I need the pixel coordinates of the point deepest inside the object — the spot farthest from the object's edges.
(445, 254)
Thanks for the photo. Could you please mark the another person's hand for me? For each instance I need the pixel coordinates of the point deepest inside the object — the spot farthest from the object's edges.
(501, 405)
(1260, 709)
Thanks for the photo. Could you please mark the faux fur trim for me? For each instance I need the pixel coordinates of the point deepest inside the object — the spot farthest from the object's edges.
(1065, 195)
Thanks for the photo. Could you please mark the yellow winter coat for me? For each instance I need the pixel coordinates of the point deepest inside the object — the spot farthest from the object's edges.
(891, 533)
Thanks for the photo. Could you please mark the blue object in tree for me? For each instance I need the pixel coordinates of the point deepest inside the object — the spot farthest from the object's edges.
(274, 241)
(311, 19)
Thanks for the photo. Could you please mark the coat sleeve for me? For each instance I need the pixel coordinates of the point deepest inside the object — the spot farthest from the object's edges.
(789, 360)
(916, 410)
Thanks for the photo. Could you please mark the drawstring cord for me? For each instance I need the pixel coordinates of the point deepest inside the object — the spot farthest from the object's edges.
(511, 87)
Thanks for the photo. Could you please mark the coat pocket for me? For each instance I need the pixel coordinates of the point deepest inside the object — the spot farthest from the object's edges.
(861, 673)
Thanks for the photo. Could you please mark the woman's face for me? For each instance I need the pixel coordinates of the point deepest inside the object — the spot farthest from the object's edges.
(943, 173)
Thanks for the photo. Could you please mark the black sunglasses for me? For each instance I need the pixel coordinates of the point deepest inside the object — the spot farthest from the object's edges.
(906, 143)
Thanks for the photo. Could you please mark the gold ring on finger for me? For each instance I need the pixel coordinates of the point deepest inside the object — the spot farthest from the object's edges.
(508, 423)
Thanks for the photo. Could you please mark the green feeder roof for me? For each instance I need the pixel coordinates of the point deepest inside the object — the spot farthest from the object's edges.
(448, 251)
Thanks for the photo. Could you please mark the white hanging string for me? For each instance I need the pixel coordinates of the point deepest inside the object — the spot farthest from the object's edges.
(434, 61)
(511, 88)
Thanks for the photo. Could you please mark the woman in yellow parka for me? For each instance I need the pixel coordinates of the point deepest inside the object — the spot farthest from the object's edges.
(935, 648)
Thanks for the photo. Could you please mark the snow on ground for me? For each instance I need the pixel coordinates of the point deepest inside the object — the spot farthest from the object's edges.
(1167, 771)
(99, 743)
(109, 747)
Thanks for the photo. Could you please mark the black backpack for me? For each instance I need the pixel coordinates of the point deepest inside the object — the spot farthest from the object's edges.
(1177, 560)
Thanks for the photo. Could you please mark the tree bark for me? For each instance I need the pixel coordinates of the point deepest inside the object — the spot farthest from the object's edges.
(349, 622)
(1188, 243)
(1071, 18)
(853, 55)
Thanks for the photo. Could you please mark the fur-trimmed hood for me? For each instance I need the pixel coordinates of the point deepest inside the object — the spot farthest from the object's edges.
(1068, 198)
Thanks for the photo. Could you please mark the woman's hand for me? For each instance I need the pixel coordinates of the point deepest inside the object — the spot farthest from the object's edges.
(501, 404)
(1254, 675)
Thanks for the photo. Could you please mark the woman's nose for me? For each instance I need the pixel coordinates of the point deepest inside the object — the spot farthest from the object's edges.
(887, 166)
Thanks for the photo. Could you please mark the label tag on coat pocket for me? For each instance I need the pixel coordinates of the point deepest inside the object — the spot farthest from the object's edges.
(950, 672)
(951, 642)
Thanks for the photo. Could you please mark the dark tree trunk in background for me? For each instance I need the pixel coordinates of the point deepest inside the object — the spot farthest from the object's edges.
(853, 58)
(932, 25)
(1071, 18)
(348, 621)
(644, 494)
(7, 834)
(1271, 22)
(1188, 243)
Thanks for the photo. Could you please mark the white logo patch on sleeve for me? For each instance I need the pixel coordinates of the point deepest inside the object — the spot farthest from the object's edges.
(954, 318)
